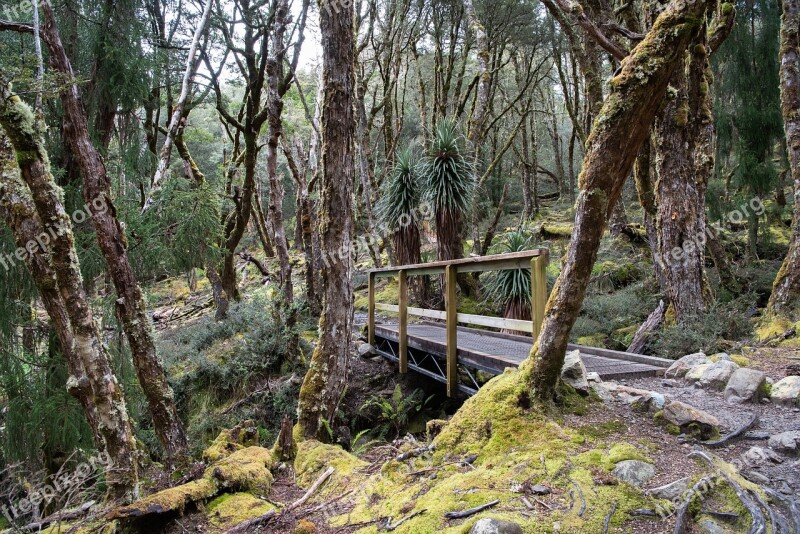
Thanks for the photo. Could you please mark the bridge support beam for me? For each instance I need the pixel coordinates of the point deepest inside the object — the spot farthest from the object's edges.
(371, 311)
(451, 308)
(539, 293)
(402, 282)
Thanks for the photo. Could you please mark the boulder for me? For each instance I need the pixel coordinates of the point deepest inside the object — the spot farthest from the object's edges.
(696, 373)
(365, 350)
(488, 525)
(744, 385)
(757, 456)
(682, 366)
(785, 441)
(671, 491)
(717, 376)
(651, 402)
(709, 526)
(720, 356)
(634, 472)
(786, 391)
(573, 372)
(690, 419)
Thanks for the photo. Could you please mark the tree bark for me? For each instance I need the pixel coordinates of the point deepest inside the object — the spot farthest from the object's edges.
(620, 131)
(787, 283)
(327, 373)
(130, 304)
(106, 394)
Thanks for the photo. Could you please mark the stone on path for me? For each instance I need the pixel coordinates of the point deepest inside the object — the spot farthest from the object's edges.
(573, 372)
(785, 441)
(634, 472)
(744, 385)
(489, 525)
(682, 366)
(671, 491)
(717, 376)
(690, 419)
(786, 391)
(696, 373)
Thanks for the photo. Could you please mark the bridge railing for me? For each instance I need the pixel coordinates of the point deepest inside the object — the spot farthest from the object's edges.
(536, 260)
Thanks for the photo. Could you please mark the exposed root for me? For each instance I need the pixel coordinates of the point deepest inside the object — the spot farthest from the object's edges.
(733, 435)
(471, 511)
(608, 518)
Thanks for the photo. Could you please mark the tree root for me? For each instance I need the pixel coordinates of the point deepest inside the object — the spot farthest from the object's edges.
(697, 491)
(607, 522)
(583, 499)
(392, 526)
(733, 435)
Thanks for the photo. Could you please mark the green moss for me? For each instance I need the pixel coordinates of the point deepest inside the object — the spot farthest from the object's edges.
(232, 440)
(772, 327)
(741, 361)
(244, 470)
(232, 509)
(602, 430)
(595, 340)
(314, 457)
(170, 500)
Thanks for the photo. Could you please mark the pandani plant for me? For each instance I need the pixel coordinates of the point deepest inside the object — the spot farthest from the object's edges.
(511, 288)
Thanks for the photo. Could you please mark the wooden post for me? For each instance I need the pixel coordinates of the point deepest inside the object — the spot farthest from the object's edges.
(402, 281)
(451, 308)
(538, 293)
(371, 319)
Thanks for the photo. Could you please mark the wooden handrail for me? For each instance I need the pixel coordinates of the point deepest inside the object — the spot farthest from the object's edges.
(535, 260)
(479, 264)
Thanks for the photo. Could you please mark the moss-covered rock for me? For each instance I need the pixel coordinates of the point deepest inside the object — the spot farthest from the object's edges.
(772, 327)
(232, 509)
(314, 457)
(229, 441)
(170, 500)
(244, 470)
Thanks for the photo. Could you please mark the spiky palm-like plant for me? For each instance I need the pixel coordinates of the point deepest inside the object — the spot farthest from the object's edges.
(448, 181)
(396, 209)
(512, 288)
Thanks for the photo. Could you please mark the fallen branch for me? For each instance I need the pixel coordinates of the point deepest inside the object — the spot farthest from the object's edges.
(471, 511)
(313, 489)
(733, 435)
(389, 526)
(608, 518)
(583, 499)
(60, 516)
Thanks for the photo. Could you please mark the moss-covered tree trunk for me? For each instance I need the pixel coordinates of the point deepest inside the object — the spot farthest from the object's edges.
(327, 374)
(130, 304)
(19, 213)
(106, 395)
(619, 133)
(787, 284)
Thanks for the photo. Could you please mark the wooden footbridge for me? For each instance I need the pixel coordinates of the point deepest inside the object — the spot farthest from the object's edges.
(452, 354)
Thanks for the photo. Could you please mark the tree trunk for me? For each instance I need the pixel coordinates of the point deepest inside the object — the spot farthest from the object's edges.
(130, 303)
(620, 131)
(787, 283)
(106, 394)
(327, 374)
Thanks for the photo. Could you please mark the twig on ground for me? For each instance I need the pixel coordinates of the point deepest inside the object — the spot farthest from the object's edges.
(583, 499)
(471, 511)
(391, 526)
(607, 522)
(314, 487)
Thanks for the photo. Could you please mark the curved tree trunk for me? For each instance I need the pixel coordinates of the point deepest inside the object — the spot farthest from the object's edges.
(787, 284)
(327, 374)
(620, 131)
(106, 394)
(130, 304)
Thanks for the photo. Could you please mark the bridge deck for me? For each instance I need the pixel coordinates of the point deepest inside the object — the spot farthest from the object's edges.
(493, 352)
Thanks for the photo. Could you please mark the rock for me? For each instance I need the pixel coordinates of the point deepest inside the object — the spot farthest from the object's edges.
(652, 402)
(717, 376)
(593, 377)
(786, 391)
(634, 472)
(793, 369)
(671, 491)
(744, 385)
(690, 419)
(366, 350)
(757, 456)
(669, 383)
(538, 489)
(785, 441)
(709, 526)
(682, 366)
(755, 476)
(721, 356)
(573, 372)
(489, 525)
(696, 373)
